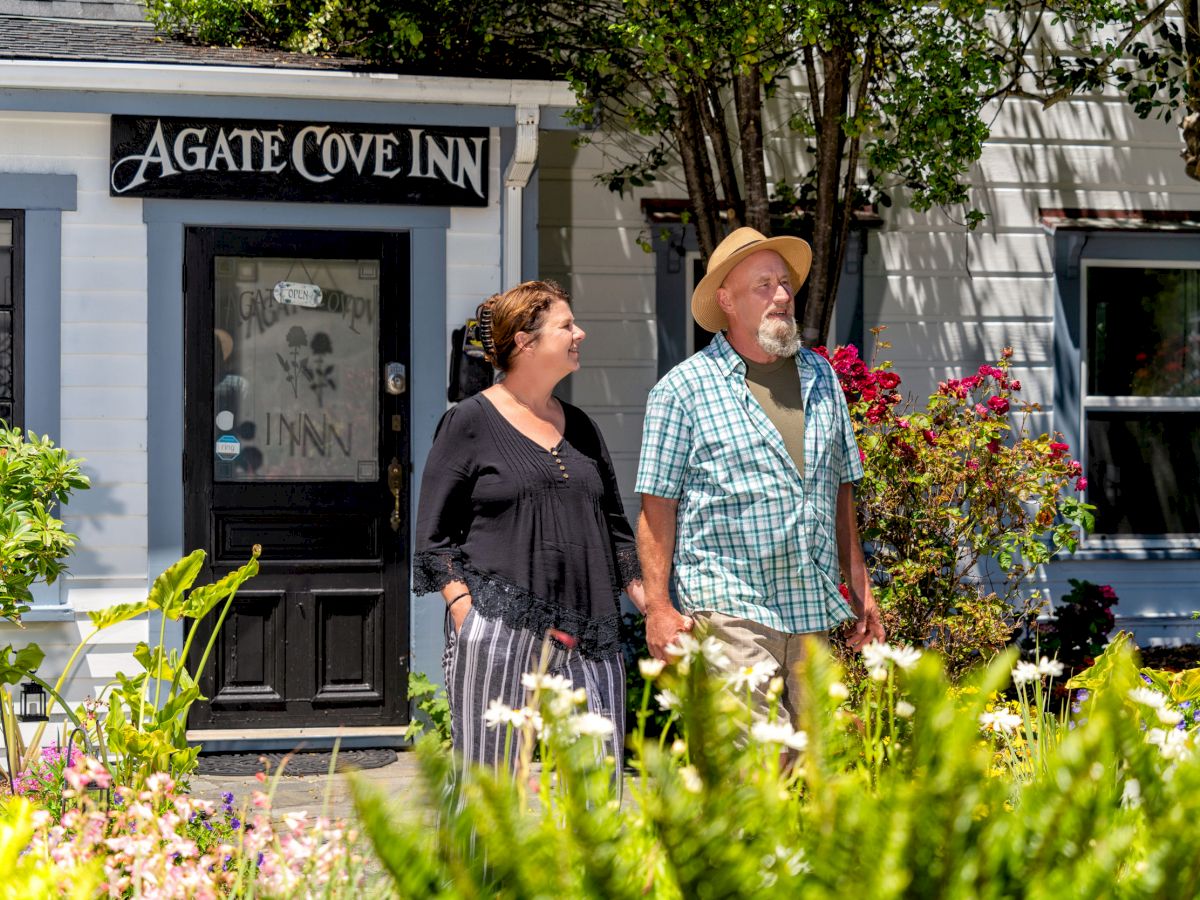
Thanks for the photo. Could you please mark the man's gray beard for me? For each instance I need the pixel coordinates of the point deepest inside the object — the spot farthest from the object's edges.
(778, 338)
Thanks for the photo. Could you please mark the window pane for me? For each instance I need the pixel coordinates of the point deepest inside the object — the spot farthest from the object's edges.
(1143, 332)
(6, 356)
(6, 268)
(296, 383)
(6, 232)
(1141, 471)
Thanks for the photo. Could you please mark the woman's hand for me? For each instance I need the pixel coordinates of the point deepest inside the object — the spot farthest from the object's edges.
(458, 612)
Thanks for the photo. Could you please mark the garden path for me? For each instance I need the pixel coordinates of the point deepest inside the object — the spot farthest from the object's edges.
(295, 793)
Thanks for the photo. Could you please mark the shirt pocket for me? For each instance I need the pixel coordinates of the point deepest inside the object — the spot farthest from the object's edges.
(822, 440)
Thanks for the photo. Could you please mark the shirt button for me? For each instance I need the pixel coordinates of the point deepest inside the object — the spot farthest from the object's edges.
(565, 475)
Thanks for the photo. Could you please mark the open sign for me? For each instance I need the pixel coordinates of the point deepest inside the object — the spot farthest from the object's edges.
(292, 293)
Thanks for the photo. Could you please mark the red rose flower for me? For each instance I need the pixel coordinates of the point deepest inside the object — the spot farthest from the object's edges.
(998, 405)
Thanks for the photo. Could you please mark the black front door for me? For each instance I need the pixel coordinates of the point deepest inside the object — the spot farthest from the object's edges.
(296, 439)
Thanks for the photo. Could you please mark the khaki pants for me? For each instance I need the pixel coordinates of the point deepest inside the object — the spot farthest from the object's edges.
(749, 642)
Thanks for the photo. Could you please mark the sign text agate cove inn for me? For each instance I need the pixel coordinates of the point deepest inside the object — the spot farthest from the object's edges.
(228, 159)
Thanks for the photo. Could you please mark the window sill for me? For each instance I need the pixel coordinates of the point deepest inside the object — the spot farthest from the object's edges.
(49, 613)
(1134, 553)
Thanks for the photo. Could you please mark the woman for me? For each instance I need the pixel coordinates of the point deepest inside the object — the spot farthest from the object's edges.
(520, 527)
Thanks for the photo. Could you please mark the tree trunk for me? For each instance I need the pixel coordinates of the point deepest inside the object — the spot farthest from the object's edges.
(1191, 122)
(712, 117)
(702, 190)
(747, 88)
(823, 280)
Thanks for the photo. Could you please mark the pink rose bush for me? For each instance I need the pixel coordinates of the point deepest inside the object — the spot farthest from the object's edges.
(960, 503)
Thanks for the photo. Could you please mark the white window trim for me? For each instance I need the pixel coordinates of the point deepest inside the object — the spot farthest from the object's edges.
(1102, 403)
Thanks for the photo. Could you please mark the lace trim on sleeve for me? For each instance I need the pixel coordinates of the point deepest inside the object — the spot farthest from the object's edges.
(517, 607)
(629, 568)
(434, 569)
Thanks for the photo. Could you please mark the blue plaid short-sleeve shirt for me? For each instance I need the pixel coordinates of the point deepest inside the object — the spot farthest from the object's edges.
(754, 539)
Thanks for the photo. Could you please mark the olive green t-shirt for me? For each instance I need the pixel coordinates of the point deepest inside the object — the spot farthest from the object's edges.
(776, 387)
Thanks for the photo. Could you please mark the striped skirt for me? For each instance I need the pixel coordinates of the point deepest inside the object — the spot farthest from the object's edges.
(485, 660)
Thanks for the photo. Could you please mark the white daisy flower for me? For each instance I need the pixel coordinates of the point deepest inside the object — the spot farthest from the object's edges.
(1051, 667)
(875, 655)
(878, 673)
(496, 714)
(1131, 794)
(651, 668)
(779, 733)
(667, 699)
(591, 724)
(684, 645)
(557, 683)
(1001, 721)
(1169, 716)
(713, 650)
(1172, 743)
(1148, 697)
(904, 657)
(839, 691)
(1025, 672)
(904, 709)
(752, 677)
(691, 779)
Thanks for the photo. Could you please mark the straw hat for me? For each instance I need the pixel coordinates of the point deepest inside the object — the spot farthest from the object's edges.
(731, 251)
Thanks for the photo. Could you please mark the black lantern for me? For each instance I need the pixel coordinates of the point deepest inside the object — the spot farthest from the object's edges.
(33, 703)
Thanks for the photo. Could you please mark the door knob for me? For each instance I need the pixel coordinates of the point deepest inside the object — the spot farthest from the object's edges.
(394, 378)
(395, 480)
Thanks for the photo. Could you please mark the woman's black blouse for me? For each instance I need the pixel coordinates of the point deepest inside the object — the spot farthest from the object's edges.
(539, 536)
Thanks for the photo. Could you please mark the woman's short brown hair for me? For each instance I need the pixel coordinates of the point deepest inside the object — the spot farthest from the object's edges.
(522, 308)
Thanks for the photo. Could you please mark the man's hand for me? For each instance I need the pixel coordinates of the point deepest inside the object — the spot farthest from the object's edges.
(868, 628)
(663, 625)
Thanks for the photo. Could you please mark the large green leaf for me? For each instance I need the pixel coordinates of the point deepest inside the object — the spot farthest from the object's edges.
(1114, 670)
(14, 667)
(156, 662)
(114, 615)
(202, 600)
(168, 589)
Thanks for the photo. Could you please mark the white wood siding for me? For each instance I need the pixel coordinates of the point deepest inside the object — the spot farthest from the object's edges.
(952, 299)
(103, 392)
(589, 244)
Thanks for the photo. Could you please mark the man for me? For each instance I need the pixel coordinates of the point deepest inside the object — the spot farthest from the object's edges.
(747, 474)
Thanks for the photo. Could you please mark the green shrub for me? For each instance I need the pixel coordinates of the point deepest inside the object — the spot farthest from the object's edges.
(35, 477)
(1077, 632)
(904, 793)
(953, 483)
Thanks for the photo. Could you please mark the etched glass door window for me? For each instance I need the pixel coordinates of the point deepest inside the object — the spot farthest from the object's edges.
(296, 369)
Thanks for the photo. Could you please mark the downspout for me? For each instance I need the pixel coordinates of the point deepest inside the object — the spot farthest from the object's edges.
(520, 169)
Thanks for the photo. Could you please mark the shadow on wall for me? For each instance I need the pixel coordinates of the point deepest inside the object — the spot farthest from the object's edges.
(111, 533)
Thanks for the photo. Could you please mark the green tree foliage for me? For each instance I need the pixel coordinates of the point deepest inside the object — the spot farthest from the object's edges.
(879, 95)
(35, 478)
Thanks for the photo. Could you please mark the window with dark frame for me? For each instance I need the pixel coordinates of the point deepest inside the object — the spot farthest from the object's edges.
(1141, 398)
(12, 303)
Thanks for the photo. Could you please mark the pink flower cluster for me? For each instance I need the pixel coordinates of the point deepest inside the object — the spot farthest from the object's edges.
(143, 847)
(47, 771)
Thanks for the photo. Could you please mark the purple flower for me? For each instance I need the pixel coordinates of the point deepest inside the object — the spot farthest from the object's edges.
(235, 823)
(1082, 694)
(228, 798)
(1186, 704)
